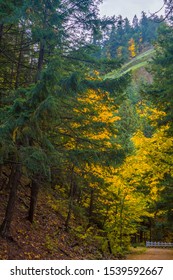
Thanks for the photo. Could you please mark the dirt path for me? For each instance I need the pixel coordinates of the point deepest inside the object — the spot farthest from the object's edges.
(152, 254)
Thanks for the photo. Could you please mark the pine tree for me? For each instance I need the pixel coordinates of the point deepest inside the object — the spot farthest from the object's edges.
(135, 22)
(161, 90)
(168, 9)
(37, 111)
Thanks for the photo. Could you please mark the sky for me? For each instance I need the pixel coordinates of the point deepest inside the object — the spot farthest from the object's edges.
(128, 8)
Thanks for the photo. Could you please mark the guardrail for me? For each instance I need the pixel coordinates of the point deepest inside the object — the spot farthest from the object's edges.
(159, 244)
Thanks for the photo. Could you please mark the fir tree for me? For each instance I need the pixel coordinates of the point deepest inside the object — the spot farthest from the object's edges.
(161, 68)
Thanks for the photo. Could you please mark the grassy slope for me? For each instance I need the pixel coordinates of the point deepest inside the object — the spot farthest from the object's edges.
(136, 63)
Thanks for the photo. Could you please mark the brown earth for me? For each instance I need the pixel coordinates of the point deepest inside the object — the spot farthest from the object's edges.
(46, 238)
(152, 254)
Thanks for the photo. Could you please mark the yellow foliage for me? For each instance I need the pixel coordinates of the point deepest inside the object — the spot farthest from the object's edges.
(150, 113)
(14, 135)
(132, 48)
(99, 113)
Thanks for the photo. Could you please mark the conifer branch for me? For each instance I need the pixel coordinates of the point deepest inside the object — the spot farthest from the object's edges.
(14, 61)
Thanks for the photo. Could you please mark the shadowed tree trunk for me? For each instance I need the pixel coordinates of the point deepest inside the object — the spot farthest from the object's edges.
(42, 48)
(69, 213)
(18, 70)
(40, 60)
(109, 246)
(70, 207)
(33, 200)
(90, 214)
(121, 221)
(14, 179)
(1, 31)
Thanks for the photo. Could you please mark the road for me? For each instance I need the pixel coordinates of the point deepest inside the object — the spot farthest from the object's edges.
(152, 254)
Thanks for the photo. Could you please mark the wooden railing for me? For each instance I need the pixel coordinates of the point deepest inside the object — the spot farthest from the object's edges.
(159, 244)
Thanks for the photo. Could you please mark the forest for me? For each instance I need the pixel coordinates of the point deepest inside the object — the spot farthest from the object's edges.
(86, 130)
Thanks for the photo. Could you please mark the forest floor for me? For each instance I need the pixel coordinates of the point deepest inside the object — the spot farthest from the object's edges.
(46, 238)
(151, 254)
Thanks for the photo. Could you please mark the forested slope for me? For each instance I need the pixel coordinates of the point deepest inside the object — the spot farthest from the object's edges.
(85, 135)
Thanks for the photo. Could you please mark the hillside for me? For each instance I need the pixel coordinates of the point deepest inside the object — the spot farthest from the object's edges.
(137, 64)
(46, 238)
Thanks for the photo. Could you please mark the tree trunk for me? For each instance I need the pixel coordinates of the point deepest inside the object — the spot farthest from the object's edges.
(91, 207)
(121, 222)
(70, 207)
(42, 46)
(12, 73)
(14, 178)
(109, 246)
(33, 200)
(70, 200)
(1, 31)
(141, 236)
(150, 230)
(40, 60)
(69, 213)
(18, 70)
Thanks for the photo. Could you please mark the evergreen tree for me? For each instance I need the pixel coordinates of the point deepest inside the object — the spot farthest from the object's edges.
(161, 90)
(143, 33)
(37, 112)
(135, 22)
(168, 9)
(144, 26)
